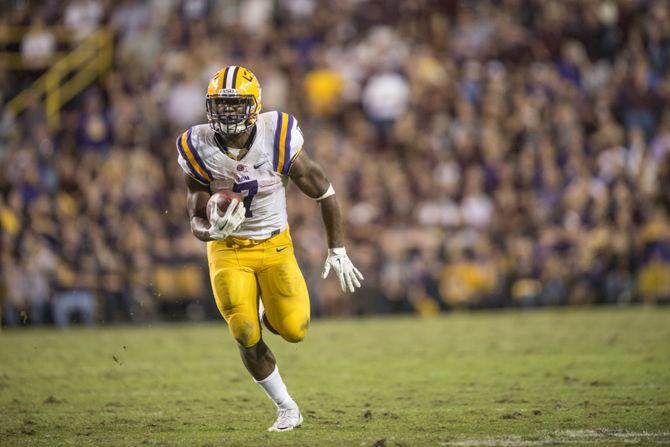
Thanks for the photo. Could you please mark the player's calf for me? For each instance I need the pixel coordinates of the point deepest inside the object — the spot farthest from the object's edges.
(259, 360)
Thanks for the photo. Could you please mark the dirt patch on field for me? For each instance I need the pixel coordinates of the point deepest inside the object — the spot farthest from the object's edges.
(51, 400)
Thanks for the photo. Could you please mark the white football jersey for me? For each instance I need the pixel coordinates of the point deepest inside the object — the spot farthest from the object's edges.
(260, 176)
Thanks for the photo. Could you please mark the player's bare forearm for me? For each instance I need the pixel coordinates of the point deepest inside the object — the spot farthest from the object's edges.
(332, 220)
(196, 205)
(312, 181)
(200, 228)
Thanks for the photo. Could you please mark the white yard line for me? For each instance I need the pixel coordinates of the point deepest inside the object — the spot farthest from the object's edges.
(566, 437)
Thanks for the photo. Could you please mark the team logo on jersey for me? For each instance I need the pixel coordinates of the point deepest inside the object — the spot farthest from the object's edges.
(241, 168)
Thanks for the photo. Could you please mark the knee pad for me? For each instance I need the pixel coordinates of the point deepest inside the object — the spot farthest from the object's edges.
(293, 327)
(246, 332)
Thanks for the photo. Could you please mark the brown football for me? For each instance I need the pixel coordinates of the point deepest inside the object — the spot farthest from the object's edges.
(221, 200)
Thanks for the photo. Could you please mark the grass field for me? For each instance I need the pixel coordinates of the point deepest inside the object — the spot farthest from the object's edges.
(596, 377)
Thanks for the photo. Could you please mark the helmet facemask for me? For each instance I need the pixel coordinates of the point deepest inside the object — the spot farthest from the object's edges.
(231, 114)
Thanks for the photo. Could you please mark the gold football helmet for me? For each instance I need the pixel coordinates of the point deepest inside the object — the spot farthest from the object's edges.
(233, 100)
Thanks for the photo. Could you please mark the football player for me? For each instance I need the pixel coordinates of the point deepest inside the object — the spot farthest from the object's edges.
(249, 248)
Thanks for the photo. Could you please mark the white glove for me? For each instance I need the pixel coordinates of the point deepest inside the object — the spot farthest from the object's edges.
(222, 225)
(348, 275)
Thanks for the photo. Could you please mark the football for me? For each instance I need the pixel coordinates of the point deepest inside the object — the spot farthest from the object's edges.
(221, 200)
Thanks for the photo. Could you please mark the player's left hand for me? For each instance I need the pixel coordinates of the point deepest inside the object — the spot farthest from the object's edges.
(350, 277)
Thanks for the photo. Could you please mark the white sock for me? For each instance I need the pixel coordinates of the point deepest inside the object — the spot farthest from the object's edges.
(276, 390)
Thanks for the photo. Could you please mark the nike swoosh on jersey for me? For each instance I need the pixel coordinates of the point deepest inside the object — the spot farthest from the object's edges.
(258, 165)
(280, 249)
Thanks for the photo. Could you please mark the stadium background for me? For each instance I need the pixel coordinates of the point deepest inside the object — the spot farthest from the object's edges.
(486, 154)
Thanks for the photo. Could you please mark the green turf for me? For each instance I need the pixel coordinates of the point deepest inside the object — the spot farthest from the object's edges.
(599, 376)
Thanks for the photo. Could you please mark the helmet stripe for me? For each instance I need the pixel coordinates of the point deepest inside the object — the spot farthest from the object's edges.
(224, 78)
(235, 77)
(287, 150)
(229, 76)
(275, 159)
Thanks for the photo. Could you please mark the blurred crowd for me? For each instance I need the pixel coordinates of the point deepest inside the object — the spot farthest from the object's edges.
(486, 154)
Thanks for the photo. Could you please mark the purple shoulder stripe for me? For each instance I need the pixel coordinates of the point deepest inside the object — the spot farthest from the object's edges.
(287, 147)
(275, 158)
(193, 172)
(196, 155)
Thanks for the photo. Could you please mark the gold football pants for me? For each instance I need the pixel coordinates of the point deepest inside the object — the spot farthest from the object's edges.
(240, 268)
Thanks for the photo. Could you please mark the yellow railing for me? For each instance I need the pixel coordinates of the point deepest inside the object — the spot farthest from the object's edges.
(67, 77)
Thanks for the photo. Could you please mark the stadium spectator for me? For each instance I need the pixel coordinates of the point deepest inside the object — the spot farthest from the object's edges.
(38, 46)
(488, 153)
(82, 17)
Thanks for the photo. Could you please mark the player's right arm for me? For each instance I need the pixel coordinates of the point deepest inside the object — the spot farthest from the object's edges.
(196, 204)
(212, 225)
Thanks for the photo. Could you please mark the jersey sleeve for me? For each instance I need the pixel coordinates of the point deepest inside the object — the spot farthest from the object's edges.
(287, 143)
(190, 160)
